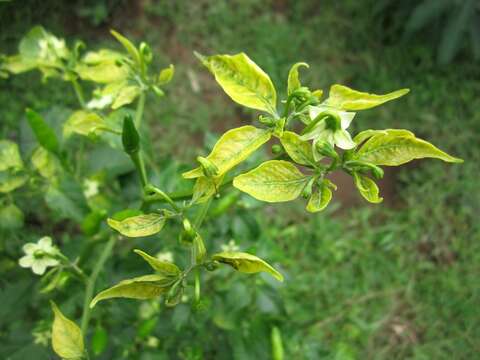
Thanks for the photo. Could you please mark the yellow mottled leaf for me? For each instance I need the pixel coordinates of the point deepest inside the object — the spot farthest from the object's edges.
(367, 188)
(163, 267)
(299, 150)
(272, 181)
(343, 97)
(232, 148)
(243, 80)
(319, 199)
(396, 148)
(67, 339)
(142, 287)
(138, 226)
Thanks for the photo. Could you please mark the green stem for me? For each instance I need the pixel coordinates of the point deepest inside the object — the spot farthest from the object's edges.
(74, 267)
(164, 196)
(197, 285)
(202, 213)
(140, 167)
(104, 255)
(78, 92)
(139, 111)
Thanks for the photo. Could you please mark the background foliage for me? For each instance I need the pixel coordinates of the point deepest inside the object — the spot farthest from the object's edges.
(396, 280)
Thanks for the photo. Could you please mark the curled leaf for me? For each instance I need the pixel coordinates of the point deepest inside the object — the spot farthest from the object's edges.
(293, 81)
(367, 188)
(139, 226)
(142, 287)
(163, 267)
(246, 263)
(343, 97)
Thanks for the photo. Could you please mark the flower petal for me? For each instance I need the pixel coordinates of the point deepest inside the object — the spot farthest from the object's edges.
(26, 261)
(38, 267)
(343, 140)
(29, 248)
(315, 131)
(346, 118)
(45, 242)
(48, 261)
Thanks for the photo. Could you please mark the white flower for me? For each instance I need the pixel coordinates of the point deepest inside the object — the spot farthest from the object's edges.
(230, 247)
(90, 188)
(39, 256)
(42, 337)
(330, 129)
(153, 342)
(165, 256)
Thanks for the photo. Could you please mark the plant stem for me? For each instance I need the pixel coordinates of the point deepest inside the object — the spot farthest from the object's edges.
(104, 255)
(78, 92)
(139, 111)
(202, 213)
(164, 196)
(137, 160)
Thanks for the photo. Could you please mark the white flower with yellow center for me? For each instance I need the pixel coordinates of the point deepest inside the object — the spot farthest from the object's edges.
(39, 255)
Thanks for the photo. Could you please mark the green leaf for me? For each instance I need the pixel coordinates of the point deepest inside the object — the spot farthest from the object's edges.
(128, 45)
(166, 75)
(199, 250)
(272, 181)
(163, 267)
(455, 30)
(139, 226)
(12, 179)
(142, 287)
(45, 135)
(243, 81)
(83, 123)
(99, 340)
(46, 164)
(293, 81)
(394, 148)
(320, 198)
(232, 148)
(344, 98)
(17, 64)
(67, 338)
(299, 150)
(64, 203)
(367, 188)
(11, 217)
(10, 156)
(246, 263)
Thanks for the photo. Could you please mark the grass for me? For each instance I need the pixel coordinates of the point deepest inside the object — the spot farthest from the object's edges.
(376, 282)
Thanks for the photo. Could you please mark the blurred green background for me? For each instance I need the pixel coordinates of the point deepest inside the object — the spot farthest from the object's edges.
(391, 281)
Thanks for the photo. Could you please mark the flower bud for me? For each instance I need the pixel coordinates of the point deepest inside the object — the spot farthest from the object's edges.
(326, 149)
(146, 52)
(277, 149)
(130, 137)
